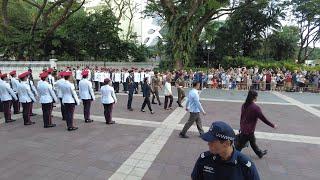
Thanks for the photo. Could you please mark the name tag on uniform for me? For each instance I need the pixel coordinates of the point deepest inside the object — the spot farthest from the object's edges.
(208, 169)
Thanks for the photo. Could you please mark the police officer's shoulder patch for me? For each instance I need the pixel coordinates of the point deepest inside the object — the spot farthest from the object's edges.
(204, 154)
(244, 160)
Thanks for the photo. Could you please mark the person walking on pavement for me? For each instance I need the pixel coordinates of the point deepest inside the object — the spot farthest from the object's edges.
(156, 84)
(180, 84)
(223, 161)
(131, 88)
(26, 97)
(194, 107)
(108, 99)
(86, 94)
(69, 99)
(47, 98)
(146, 90)
(7, 95)
(250, 113)
(14, 82)
(168, 94)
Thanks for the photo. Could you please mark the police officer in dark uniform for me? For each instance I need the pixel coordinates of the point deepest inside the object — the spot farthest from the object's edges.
(131, 88)
(223, 161)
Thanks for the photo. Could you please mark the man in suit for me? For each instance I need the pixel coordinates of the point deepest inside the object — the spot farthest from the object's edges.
(26, 97)
(146, 90)
(6, 96)
(47, 98)
(86, 94)
(69, 99)
(14, 82)
(131, 88)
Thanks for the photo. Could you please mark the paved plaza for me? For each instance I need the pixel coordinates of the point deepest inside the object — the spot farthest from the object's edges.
(146, 146)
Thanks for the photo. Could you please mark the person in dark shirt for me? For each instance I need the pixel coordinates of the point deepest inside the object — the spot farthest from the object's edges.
(146, 89)
(223, 161)
(250, 113)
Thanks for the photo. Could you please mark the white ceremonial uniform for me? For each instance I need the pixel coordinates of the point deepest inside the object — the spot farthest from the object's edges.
(78, 74)
(107, 75)
(57, 85)
(107, 95)
(69, 94)
(85, 89)
(32, 87)
(14, 84)
(148, 76)
(97, 76)
(102, 77)
(46, 93)
(51, 80)
(89, 74)
(6, 93)
(142, 76)
(125, 76)
(136, 77)
(24, 92)
(116, 77)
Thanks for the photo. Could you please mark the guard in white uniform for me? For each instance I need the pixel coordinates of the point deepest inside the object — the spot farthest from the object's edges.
(59, 93)
(116, 80)
(33, 90)
(47, 98)
(26, 97)
(96, 79)
(125, 75)
(69, 99)
(14, 82)
(87, 95)
(136, 78)
(108, 98)
(51, 79)
(78, 76)
(6, 96)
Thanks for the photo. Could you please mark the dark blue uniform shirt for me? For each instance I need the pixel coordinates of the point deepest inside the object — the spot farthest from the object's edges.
(211, 167)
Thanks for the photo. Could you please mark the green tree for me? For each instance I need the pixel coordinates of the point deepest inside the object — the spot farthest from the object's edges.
(283, 43)
(185, 21)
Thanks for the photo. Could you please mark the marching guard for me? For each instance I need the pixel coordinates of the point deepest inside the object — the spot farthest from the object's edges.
(26, 97)
(6, 96)
(47, 98)
(14, 82)
(86, 94)
(69, 99)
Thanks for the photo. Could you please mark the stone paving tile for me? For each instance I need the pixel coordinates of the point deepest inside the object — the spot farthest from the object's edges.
(95, 150)
(307, 98)
(239, 95)
(290, 119)
(120, 110)
(284, 160)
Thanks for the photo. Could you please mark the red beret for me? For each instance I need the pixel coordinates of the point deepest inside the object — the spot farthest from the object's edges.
(68, 73)
(49, 70)
(25, 74)
(4, 75)
(142, 69)
(106, 80)
(13, 73)
(85, 73)
(43, 75)
(61, 74)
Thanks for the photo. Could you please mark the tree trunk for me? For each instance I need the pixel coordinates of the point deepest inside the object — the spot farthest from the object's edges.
(5, 20)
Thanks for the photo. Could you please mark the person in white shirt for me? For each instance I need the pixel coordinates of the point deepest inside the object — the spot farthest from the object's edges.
(51, 79)
(69, 99)
(87, 95)
(26, 97)
(59, 93)
(108, 98)
(142, 76)
(116, 77)
(33, 90)
(168, 94)
(125, 75)
(14, 82)
(6, 96)
(103, 75)
(194, 107)
(78, 76)
(136, 78)
(47, 98)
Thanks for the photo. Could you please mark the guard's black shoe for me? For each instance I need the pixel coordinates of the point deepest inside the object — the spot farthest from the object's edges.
(111, 122)
(142, 110)
(88, 121)
(72, 128)
(10, 120)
